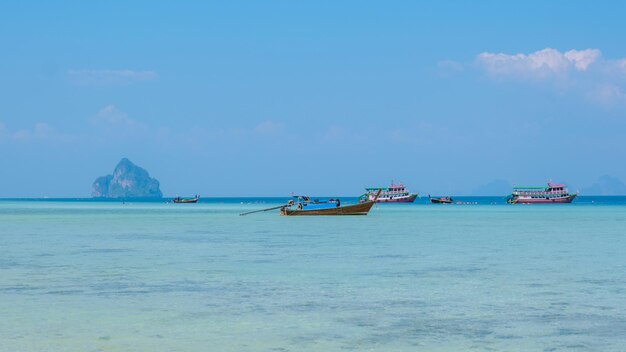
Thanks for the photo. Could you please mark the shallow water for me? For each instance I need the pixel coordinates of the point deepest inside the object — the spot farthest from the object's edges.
(106, 276)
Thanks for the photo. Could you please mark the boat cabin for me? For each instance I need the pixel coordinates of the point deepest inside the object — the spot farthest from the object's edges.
(305, 203)
(539, 191)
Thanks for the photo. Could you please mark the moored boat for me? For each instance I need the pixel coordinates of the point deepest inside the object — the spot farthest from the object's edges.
(305, 206)
(440, 200)
(553, 193)
(395, 193)
(186, 200)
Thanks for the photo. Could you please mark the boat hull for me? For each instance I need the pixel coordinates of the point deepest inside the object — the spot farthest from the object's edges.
(353, 209)
(440, 201)
(407, 199)
(559, 200)
(185, 201)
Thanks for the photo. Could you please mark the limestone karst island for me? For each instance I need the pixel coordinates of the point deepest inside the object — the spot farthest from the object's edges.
(127, 181)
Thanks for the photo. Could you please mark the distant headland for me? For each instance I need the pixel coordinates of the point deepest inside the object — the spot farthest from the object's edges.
(128, 181)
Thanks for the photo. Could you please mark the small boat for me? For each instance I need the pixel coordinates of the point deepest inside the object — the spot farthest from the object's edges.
(440, 200)
(186, 200)
(395, 193)
(305, 206)
(553, 193)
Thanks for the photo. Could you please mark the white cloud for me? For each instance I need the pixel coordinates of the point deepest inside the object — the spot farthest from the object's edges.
(41, 131)
(337, 133)
(615, 68)
(583, 58)
(4, 133)
(541, 64)
(110, 117)
(579, 72)
(608, 95)
(334, 133)
(621, 64)
(269, 127)
(447, 68)
(107, 77)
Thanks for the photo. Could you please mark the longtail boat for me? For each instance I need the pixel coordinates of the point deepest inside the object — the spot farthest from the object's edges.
(305, 206)
(186, 200)
(440, 200)
(331, 208)
(553, 193)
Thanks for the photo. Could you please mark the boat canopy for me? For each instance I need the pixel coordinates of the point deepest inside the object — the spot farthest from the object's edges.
(529, 187)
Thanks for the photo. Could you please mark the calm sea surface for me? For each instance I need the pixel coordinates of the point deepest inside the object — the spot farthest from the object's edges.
(106, 276)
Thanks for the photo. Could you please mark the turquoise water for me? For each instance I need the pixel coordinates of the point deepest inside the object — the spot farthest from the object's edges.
(107, 276)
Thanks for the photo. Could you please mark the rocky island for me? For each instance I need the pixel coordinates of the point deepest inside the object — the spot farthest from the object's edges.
(128, 181)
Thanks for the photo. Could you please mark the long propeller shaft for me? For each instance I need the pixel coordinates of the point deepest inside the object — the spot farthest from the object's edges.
(262, 210)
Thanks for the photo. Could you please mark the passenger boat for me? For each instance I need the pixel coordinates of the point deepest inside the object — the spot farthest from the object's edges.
(553, 193)
(395, 193)
(186, 200)
(305, 206)
(440, 200)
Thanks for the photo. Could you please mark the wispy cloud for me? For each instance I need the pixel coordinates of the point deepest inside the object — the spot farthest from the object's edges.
(447, 68)
(348, 135)
(110, 117)
(581, 72)
(540, 64)
(108, 77)
(269, 127)
(608, 95)
(41, 131)
(334, 132)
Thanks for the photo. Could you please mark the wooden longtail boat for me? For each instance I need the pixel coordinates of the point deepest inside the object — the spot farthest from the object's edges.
(186, 200)
(440, 200)
(331, 207)
(353, 209)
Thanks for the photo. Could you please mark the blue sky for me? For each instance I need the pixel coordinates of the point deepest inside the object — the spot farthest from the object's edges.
(267, 98)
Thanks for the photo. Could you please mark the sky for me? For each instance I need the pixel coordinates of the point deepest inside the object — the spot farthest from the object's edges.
(265, 98)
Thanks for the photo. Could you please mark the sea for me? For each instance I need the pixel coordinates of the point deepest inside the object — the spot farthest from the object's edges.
(87, 275)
